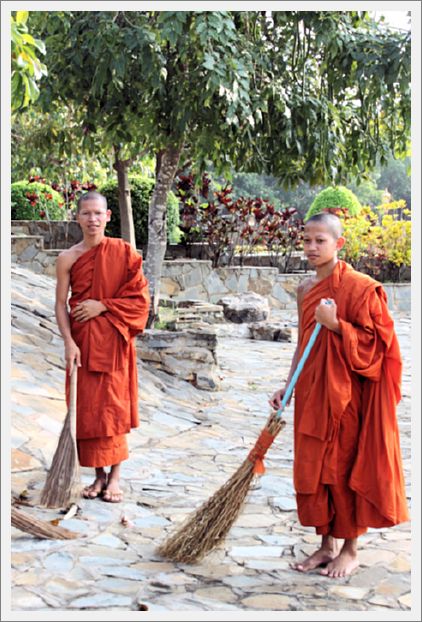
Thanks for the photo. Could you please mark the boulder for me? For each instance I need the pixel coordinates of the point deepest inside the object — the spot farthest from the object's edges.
(247, 307)
(270, 331)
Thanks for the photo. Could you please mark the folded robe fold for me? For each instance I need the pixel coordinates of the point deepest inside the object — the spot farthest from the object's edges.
(356, 371)
(107, 400)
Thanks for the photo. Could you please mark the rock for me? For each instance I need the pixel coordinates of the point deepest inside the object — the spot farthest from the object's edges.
(223, 594)
(406, 600)
(272, 602)
(247, 307)
(256, 551)
(101, 601)
(266, 331)
(347, 591)
(187, 354)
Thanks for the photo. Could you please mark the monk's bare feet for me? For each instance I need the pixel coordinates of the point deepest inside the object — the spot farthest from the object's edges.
(113, 494)
(314, 561)
(328, 551)
(341, 566)
(96, 488)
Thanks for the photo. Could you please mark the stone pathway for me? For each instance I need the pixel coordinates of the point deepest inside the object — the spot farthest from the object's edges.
(188, 444)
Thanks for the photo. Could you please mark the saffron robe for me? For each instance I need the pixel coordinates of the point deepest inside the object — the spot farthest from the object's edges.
(347, 464)
(107, 395)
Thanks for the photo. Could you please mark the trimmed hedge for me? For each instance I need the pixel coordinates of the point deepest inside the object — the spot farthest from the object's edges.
(36, 201)
(335, 197)
(141, 188)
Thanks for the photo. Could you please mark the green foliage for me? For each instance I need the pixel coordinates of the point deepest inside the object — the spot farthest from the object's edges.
(173, 219)
(27, 69)
(236, 227)
(367, 193)
(333, 198)
(394, 176)
(268, 187)
(378, 242)
(301, 95)
(36, 201)
(49, 144)
(141, 191)
(344, 92)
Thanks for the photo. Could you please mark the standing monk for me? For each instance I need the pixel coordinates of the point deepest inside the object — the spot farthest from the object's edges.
(347, 462)
(108, 307)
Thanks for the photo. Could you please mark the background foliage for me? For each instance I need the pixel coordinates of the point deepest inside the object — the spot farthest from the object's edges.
(378, 242)
(332, 198)
(36, 201)
(141, 191)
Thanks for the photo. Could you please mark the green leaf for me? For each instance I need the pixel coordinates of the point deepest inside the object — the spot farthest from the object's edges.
(209, 62)
(39, 45)
(22, 17)
(28, 39)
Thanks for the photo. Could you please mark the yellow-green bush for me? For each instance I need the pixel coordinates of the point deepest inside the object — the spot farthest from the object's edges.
(378, 241)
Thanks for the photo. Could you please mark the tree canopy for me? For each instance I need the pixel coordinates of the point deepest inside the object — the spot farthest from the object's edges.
(311, 96)
(27, 69)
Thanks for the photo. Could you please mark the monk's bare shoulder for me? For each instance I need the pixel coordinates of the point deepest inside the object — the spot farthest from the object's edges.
(67, 257)
(304, 287)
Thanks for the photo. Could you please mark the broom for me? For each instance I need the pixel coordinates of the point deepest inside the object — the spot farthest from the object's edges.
(209, 525)
(40, 529)
(63, 484)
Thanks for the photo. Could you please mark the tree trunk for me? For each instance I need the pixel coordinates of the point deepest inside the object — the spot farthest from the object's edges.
(127, 228)
(167, 162)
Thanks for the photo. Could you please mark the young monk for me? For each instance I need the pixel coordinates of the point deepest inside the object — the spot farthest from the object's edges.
(108, 307)
(347, 462)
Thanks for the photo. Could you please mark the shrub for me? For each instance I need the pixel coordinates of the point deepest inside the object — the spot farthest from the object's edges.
(72, 190)
(141, 191)
(236, 226)
(36, 201)
(378, 242)
(334, 198)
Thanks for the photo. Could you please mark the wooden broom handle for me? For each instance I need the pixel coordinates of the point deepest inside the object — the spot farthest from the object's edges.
(72, 398)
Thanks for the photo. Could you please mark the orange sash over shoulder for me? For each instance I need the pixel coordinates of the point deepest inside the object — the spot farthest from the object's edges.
(367, 355)
(110, 272)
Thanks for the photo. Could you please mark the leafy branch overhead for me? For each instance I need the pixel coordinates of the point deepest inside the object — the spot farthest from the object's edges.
(306, 96)
(27, 69)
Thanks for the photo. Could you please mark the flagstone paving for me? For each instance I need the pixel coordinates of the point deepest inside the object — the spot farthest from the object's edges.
(188, 444)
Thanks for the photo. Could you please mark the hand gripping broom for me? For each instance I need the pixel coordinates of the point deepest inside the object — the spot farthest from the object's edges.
(208, 526)
(63, 482)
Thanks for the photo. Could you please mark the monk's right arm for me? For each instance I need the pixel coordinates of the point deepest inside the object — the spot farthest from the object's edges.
(72, 352)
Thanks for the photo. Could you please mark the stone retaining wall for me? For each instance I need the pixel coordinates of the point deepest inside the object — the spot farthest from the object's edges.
(193, 279)
(57, 234)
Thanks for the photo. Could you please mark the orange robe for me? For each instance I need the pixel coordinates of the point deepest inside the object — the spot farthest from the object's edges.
(347, 464)
(107, 396)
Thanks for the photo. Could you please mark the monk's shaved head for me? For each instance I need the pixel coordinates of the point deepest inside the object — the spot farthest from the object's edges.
(330, 221)
(91, 196)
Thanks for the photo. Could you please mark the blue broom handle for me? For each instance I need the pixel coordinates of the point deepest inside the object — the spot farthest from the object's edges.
(299, 368)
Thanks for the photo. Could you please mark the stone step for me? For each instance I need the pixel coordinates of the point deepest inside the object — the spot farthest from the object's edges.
(26, 247)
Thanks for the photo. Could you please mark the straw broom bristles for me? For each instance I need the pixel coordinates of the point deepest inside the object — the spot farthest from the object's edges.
(40, 529)
(62, 485)
(209, 525)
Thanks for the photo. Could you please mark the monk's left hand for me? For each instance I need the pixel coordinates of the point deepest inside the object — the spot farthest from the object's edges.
(88, 309)
(326, 314)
